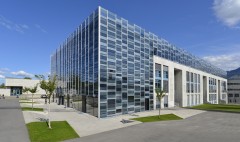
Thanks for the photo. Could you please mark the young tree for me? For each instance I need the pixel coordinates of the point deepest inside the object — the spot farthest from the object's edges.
(43, 83)
(49, 87)
(25, 90)
(160, 94)
(33, 90)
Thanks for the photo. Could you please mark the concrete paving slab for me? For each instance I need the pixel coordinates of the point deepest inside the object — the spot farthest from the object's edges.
(85, 124)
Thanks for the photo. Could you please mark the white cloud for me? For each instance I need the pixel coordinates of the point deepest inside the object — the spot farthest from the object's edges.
(25, 26)
(227, 11)
(12, 26)
(5, 69)
(225, 62)
(2, 76)
(40, 28)
(22, 73)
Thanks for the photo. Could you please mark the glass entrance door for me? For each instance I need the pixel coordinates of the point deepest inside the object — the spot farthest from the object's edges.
(16, 91)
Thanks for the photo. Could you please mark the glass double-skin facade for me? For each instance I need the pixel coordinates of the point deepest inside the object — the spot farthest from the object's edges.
(107, 64)
(126, 66)
(76, 65)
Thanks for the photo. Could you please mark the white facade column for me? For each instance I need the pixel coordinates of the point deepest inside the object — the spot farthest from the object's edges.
(201, 89)
(171, 86)
(154, 92)
(184, 90)
(207, 90)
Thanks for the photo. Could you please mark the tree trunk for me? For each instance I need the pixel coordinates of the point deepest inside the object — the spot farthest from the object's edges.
(159, 111)
(159, 99)
(32, 101)
(49, 121)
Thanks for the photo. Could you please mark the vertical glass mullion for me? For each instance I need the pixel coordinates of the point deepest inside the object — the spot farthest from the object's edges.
(80, 60)
(77, 64)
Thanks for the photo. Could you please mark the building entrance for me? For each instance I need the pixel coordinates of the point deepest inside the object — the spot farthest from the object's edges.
(177, 87)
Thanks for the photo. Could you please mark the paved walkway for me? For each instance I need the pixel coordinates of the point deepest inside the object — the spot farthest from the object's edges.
(12, 126)
(85, 124)
(204, 127)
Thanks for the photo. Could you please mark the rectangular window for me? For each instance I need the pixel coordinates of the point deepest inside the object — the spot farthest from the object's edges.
(165, 79)
(187, 76)
(192, 89)
(158, 83)
(191, 77)
(111, 104)
(165, 72)
(158, 75)
(165, 85)
(130, 100)
(188, 87)
(195, 78)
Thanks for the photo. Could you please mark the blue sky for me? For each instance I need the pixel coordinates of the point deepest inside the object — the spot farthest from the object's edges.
(31, 30)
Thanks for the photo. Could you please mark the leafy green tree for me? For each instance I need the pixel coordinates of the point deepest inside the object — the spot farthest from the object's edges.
(33, 90)
(49, 87)
(160, 94)
(27, 78)
(43, 83)
(25, 90)
(2, 85)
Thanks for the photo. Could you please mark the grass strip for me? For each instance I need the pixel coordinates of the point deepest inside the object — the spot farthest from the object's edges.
(30, 109)
(165, 117)
(61, 130)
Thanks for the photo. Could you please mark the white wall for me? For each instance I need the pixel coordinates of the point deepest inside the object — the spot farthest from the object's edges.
(174, 65)
(23, 83)
(6, 92)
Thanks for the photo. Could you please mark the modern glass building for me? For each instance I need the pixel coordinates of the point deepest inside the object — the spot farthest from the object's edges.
(110, 66)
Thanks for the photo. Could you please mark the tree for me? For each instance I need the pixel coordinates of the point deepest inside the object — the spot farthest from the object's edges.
(27, 78)
(160, 94)
(49, 87)
(2, 85)
(33, 90)
(25, 90)
(43, 83)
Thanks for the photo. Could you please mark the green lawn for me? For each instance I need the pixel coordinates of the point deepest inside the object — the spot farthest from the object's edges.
(154, 118)
(61, 130)
(30, 109)
(218, 107)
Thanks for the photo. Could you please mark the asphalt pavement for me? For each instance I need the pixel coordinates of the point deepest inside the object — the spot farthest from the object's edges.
(204, 127)
(12, 125)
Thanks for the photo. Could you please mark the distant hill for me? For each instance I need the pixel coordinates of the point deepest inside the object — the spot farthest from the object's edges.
(233, 72)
